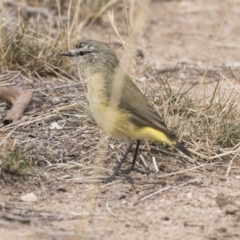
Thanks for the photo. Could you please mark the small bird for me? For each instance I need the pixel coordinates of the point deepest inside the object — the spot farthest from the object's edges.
(119, 108)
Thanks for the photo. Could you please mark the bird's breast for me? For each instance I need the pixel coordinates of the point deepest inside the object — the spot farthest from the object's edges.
(112, 120)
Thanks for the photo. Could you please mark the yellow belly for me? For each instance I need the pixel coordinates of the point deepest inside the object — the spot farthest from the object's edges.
(113, 122)
(106, 115)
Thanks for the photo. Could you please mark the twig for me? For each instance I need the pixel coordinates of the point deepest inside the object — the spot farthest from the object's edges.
(230, 164)
(148, 195)
(143, 161)
(155, 164)
(151, 194)
(237, 90)
(233, 73)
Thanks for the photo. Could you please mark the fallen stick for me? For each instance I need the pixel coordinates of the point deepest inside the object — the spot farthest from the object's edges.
(19, 99)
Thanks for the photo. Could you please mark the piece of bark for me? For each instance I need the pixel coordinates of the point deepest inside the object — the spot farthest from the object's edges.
(18, 98)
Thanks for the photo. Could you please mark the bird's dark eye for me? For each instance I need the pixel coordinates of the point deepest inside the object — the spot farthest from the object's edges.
(80, 45)
(82, 53)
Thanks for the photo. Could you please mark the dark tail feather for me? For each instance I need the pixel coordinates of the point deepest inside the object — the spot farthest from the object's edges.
(184, 150)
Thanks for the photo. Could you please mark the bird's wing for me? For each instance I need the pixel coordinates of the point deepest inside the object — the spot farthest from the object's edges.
(142, 113)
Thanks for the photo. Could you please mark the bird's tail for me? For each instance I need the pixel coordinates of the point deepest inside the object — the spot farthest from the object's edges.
(181, 148)
(152, 133)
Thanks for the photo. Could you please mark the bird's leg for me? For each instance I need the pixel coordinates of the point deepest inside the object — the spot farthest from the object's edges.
(116, 171)
(135, 155)
(132, 168)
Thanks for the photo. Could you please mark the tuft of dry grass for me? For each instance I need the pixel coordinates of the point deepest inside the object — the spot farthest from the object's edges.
(26, 45)
(28, 51)
(16, 56)
(15, 161)
(211, 126)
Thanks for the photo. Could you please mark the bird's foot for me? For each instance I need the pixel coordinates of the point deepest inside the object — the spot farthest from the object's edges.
(124, 173)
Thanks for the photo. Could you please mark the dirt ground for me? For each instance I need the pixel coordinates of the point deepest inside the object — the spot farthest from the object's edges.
(193, 204)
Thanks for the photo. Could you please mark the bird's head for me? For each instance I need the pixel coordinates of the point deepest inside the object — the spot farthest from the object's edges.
(91, 53)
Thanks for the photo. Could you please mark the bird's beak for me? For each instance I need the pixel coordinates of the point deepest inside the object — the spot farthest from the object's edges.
(67, 54)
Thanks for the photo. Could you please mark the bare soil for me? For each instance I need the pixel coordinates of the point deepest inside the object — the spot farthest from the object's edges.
(193, 204)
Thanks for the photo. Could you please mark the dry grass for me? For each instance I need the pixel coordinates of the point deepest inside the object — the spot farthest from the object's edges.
(14, 161)
(30, 44)
(210, 126)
